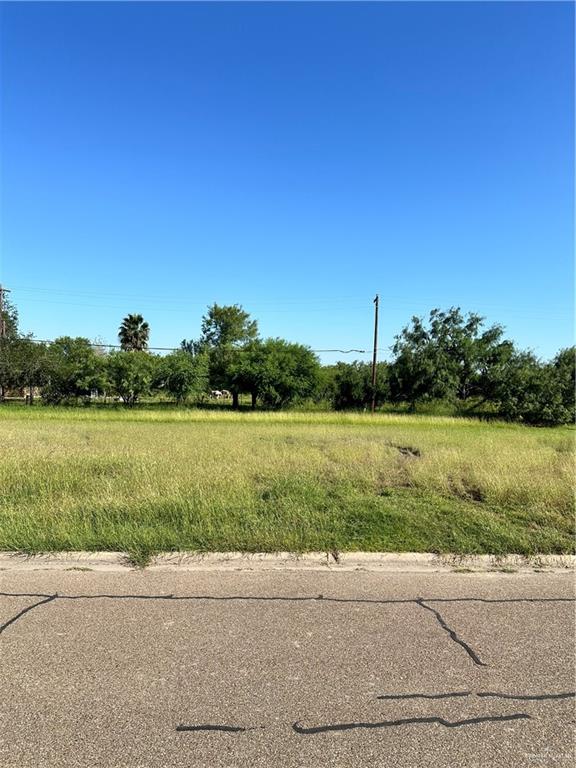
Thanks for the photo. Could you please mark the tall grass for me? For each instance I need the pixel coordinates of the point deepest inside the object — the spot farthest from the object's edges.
(144, 481)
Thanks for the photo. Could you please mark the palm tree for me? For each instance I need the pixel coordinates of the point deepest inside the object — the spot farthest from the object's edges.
(133, 333)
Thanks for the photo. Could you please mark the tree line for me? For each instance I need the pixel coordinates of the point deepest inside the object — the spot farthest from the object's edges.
(453, 359)
(449, 358)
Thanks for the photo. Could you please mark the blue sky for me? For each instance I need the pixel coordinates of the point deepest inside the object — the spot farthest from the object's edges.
(295, 158)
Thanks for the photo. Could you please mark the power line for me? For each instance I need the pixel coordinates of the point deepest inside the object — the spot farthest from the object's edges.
(100, 345)
(110, 346)
(344, 351)
(391, 299)
(184, 299)
(282, 306)
(150, 308)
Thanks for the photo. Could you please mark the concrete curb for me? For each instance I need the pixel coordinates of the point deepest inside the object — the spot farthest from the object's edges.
(409, 562)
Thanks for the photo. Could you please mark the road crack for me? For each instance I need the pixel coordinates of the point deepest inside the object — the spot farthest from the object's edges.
(532, 697)
(393, 696)
(409, 721)
(19, 615)
(470, 651)
(480, 694)
(213, 727)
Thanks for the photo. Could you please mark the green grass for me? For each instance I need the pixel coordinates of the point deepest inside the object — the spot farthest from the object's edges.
(147, 481)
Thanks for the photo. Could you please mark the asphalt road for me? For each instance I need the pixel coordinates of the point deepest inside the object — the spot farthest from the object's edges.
(286, 669)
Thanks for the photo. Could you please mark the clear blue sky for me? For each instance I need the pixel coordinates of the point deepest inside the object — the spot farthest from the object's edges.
(294, 158)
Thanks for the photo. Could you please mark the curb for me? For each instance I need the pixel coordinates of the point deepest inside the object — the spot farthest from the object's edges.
(391, 562)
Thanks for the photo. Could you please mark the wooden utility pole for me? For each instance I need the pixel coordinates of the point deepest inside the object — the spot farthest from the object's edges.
(376, 301)
(2, 321)
(2, 327)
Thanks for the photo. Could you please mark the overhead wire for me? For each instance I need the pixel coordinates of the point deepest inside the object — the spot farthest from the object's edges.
(159, 303)
(101, 345)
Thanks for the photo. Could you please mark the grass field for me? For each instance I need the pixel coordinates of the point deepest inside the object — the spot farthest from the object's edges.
(143, 481)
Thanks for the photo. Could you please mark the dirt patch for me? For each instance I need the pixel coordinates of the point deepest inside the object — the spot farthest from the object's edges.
(464, 489)
(406, 450)
(475, 494)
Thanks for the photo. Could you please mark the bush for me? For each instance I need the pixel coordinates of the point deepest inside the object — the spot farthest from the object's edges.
(182, 374)
(352, 385)
(277, 372)
(534, 392)
(72, 370)
(131, 374)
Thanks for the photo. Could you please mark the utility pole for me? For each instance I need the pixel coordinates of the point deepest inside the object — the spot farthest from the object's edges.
(376, 301)
(2, 327)
(2, 321)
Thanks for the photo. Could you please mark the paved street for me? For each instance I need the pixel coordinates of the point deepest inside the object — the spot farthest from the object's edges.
(286, 669)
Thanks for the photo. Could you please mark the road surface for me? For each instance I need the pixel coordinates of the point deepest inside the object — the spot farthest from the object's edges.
(286, 669)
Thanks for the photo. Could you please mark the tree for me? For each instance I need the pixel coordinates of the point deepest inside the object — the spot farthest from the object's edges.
(352, 387)
(72, 370)
(227, 325)
(491, 367)
(276, 371)
(22, 363)
(413, 374)
(131, 374)
(9, 365)
(532, 392)
(182, 374)
(326, 387)
(225, 331)
(564, 367)
(134, 333)
(450, 358)
(10, 318)
(193, 347)
(8, 321)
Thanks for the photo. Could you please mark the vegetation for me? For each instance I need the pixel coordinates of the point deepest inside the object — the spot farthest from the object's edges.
(133, 334)
(182, 375)
(352, 385)
(225, 326)
(451, 358)
(131, 374)
(275, 371)
(143, 481)
(71, 370)
(10, 318)
(23, 364)
(534, 393)
(450, 363)
(225, 333)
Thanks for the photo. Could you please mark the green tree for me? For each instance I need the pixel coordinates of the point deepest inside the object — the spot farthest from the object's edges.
(451, 357)
(131, 374)
(193, 346)
(531, 392)
(326, 387)
(227, 325)
(353, 385)
(413, 374)
(9, 317)
(9, 365)
(225, 331)
(8, 322)
(71, 370)
(276, 371)
(22, 363)
(564, 368)
(182, 374)
(134, 334)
